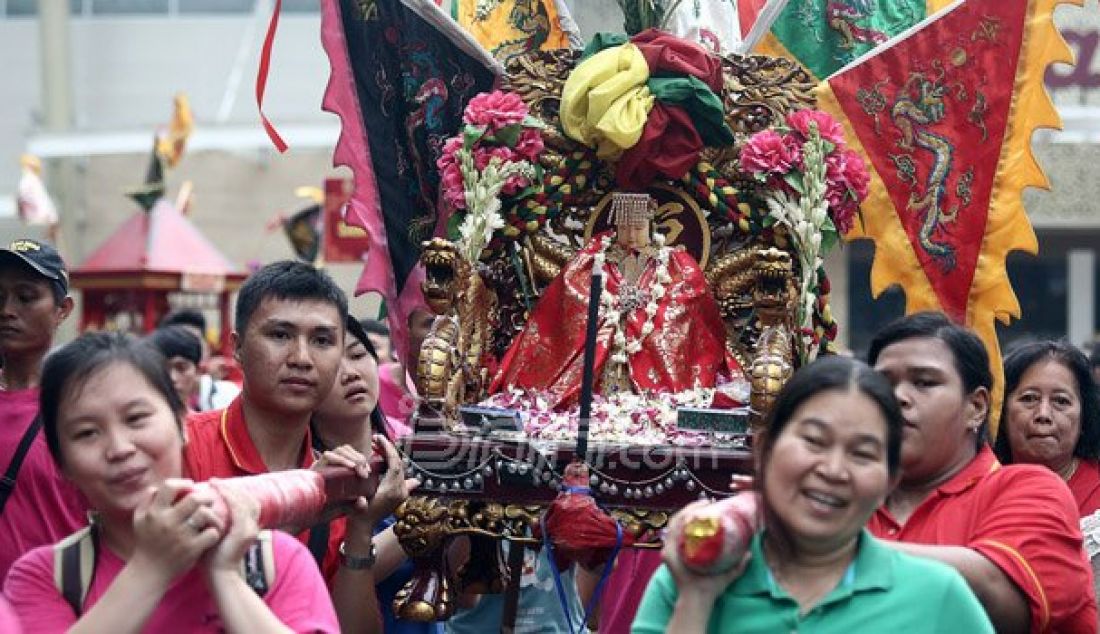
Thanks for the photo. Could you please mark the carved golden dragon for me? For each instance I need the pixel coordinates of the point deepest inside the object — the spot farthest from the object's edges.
(449, 370)
(771, 364)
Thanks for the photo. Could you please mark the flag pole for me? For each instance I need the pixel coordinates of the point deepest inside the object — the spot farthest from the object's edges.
(587, 379)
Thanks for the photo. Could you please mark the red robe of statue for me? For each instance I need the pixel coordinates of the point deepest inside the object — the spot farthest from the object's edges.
(686, 348)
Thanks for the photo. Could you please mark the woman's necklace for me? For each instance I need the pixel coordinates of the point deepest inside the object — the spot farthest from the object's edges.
(1074, 463)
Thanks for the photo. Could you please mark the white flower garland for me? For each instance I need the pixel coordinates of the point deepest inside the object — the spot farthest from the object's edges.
(483, 200)
(623, 346)
(805, 219)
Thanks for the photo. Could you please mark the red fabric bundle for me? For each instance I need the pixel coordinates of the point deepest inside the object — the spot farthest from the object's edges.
(713, 538)
(669, 147)
(579, 529)
(668, 55)
(294, 498)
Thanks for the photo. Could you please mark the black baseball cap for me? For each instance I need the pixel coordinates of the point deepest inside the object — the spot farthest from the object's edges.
(40, 256)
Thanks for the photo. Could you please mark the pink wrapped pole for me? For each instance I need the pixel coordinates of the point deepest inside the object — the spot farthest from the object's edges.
(715, 537)
(297, 497)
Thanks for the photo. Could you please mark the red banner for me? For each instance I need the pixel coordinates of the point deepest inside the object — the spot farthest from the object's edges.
(945, 117)
(343, 242)
(932, 118)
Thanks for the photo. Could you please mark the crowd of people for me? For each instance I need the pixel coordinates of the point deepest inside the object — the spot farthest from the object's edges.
(885, 501)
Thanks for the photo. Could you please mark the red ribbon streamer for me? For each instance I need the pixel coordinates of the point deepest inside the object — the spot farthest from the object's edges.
(261, 77)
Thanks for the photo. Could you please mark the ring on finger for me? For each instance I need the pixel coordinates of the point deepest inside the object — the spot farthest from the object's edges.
(190, 521)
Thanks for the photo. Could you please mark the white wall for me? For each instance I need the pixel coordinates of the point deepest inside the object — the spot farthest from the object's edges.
(125, 71)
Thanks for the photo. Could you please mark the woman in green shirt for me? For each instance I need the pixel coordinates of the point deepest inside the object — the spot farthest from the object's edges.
(828, 457)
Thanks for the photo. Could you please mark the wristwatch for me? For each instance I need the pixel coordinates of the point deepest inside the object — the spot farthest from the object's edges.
(356, 562)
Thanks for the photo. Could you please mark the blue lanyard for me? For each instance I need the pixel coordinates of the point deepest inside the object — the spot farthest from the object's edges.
(557, 574)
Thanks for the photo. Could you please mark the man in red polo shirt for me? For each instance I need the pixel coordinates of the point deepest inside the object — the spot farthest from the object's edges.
(289, 342)
(1012, 532)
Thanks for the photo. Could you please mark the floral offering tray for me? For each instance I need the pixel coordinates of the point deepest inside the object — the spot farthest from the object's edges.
(623, 419)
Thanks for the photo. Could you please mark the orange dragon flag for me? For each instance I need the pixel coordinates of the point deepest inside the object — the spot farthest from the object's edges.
(944, 118)
(510, 28)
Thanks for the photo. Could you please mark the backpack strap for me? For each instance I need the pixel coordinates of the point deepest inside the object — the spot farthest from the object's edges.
(7, 484)
(258, 565)
(74, 566)
(74, 560)
(318, 543)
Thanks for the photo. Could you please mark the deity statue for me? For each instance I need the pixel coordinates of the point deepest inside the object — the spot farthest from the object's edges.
(659, 326)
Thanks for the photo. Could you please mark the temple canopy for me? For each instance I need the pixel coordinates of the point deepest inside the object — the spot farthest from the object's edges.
(127, 281)
(152, 246)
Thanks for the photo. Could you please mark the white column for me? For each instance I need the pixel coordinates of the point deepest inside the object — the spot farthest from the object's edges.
(1080, 298)
(836, 266)
(55, 64)
(63, 174)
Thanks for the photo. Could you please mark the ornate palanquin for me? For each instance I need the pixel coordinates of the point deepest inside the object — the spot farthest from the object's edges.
(492, 486)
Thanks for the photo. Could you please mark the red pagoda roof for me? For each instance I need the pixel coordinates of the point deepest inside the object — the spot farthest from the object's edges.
(161, 242)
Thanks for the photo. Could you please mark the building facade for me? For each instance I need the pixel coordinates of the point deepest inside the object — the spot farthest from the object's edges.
(86, 92)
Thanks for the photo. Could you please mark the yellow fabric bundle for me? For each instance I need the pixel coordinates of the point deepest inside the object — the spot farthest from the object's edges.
(605, 101)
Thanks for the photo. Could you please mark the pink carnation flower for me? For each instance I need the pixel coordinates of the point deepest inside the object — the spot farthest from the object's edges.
(482, 157)
(484, 154)
(794, 148)
(515, 183)
(847, 180)
(447, 156)
(827, 126)
(495, 110)
(857, 175)
(454, 188)
(450, 175)
(530, 144)
(768, 152)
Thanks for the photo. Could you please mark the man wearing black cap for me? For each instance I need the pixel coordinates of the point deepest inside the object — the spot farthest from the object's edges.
(37, 506)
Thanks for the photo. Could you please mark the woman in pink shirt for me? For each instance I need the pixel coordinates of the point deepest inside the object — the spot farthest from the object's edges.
(162, 560)
(9, 623)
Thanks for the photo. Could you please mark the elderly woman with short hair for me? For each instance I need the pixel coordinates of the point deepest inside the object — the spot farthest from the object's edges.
(1051, 417)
